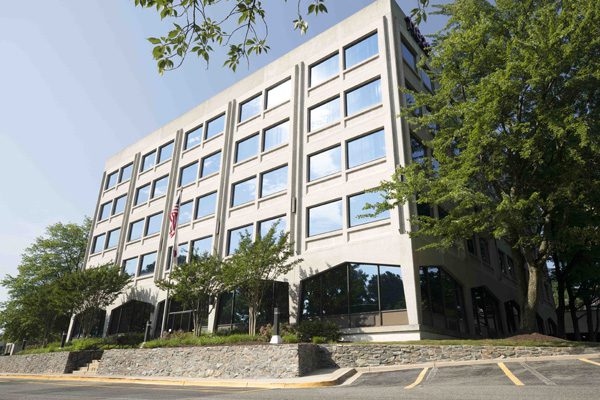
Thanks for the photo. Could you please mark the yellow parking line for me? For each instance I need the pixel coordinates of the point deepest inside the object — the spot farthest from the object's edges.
(510, 375)
(589, 361)
(419, 379)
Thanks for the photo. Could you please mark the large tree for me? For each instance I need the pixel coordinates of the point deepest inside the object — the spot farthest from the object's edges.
(513, 127)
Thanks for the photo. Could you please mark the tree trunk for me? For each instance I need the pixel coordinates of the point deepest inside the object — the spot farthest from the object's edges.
(252, 320)
(573, 311)
(529, 322)
(197, 323)
(561, 308)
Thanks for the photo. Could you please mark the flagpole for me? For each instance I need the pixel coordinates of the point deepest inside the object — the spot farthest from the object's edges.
(174, 254)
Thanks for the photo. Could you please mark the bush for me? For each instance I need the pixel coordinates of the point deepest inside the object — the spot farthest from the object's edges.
(324, 329)
(290, 338)
(186, 339)
(319, 339)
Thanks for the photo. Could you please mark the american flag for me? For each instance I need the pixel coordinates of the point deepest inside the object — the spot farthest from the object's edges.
(174, 216)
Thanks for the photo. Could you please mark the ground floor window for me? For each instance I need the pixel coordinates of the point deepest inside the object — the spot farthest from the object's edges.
(130, 317)
(486, 313)
(178, 318)
(442, 304)
(355, 295)
(93, 319)
(513, 316)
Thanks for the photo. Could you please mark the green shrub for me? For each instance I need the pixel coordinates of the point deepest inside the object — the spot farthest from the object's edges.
(319, 339)
(189, 339)
(325, 329)
(290, 338)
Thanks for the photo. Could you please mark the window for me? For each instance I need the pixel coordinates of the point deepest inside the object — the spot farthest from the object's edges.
(147, 264)
(418, 150)
(165, 152)
(185, 213)
(273, 181)
(409, 99)
(426, 80)
(279, 94)
(104, 211)
(502, 262)
(235, 236)
(276, 135)
(325, 163)
(363, 97)
(148, 160)
(265, 226)
(135, 230)
(125, 174)
(365, 149)
(511, 266)
(324, 70)
(188, 174)
(98, 245)
(250, 107)
(211, 164)
(441, 300)
(201, 246)
(111, 180)
(142, 194)
(206, 205)
(153, 224)
(486, 313)
(357, 204)
(119, 205)
(160, 187)
(324, 114)
(215, 126)
(113, 238)
(244, 192)
(130, 266)
(484, 250)
(182, 253)
(471, 246)
(325, 218)
(409, 57)
(193, 138)
(360, 51)
(246, 148)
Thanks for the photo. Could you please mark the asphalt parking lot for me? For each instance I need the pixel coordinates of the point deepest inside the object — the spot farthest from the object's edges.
(565, 379)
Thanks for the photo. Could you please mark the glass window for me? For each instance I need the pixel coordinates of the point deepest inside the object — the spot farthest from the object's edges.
(325, 163)
(279, 94)
(182, 253)
(484, 250)
(324, 114)
(391, 288)
(276, 135)
(265, 226)
(334, 291)
(113, 238)
(148, 160)
(246, 148)
(165, 152)
(324, 70)
(135, 230)
(366, 148)
(409, 57)
(153, 224)
(325, 218)
(250, 107)
(410, 100)
(215, 126)
(207, 205)
(244, 192)
(363, 97)
(235, 236)
(502, 262)
(426, 80)
(160, 186)
(125, 174)
(418, 150)
(185, 212)
(211, 164)
(142, 194)
(98, 245)
(193, 138)
(360, 51)
(104, 211)
(147, 264)
(363, 288)
(188, 174)
(357, 204)
(201, 246)
(273, 181)
(130, 266)
(111, 179)
(471, 246)
(119, 205)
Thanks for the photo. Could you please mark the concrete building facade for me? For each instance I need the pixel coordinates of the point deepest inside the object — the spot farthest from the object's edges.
(300, 141)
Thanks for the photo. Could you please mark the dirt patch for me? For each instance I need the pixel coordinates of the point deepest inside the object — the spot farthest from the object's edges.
(536, 337)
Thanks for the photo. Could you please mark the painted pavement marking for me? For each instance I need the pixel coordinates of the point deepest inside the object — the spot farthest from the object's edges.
(510, 375)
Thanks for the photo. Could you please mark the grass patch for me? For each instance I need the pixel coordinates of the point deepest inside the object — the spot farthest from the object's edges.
(188, 340)
(489, 342)
(111, 342)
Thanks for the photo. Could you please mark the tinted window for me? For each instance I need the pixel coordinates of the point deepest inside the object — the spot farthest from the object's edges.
(188, 174)
(206, 205)
(98, 243)
(363, 97)
(185, 213)
(147, 263)
(325, 114)
(357, 204)
(325, 218)
(363, 288)
(201, 246)
(235, 237)
(211, 164)
(264, 226)
(276, 135)
(391, 288)
(418, 151)
(360, 51)
(246, 148)
(325, 163)
(104, 211)
(126, 173)
(153, 224)
(244, 192)
(484, 250)
(165, 152)
(135, 230)
(160, 186)
(193, 138)
(324, 70)
(130, 266)
(142, 194)
(279, 94)
(182, 253)
(148, 160)
(111, 179)
(250, 108)
(119, 205)
(113, 238)
(215, 126)
(409, 57)
(273, 181)
(367, 148)
(426, 80)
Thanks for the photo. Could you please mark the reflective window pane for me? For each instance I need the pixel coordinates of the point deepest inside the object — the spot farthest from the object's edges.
(142, 194)
(235, 236)
(363, 97)
(325, 114)
(211, 164)
(246, 148)
(130, 266)
(153, 224)
(119, 205)
(160, 186)
(273, 181)
(409, 57)
(279, 94)
(334, 289)
(325, 218)
(135, 230)
(206, 205)
(104, 212)
(418, 150)
(165, 152)
(147, 264)
(426, 80)
(244, 192)
(357, 204)
(185, 213)
(279, 222)
(250, 108)
(111, 180)
(360, 51)
(363, 288)
(113, 238)
(324, 70)
(193, 138)
(98, 245)
(182, 253)
(325, 163)
(201, 246)
(367, 148)
(125, 174)
(276, 135)
(148, 160)
(215, 126)
(188, 174)
(391, 288)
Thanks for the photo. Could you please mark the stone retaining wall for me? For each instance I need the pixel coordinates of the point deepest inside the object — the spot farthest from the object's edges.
(60, 362)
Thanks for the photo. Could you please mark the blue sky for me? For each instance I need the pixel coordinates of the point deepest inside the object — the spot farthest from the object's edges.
(78, 84)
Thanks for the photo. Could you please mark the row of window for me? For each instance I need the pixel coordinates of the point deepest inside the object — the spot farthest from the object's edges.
(205, 205)
(507, 264)
(214, 127)
(197, 246)
(272, 137)
(113, 207)
(121, 175)
(106, 241)
(149, 191)
(155, 157)
(270, 182)
(208, 165)
(410, 58)
(145, 227)
(140, 266)
(273, 96)
(442, 302)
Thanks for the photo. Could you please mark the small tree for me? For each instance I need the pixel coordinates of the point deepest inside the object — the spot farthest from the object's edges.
(195, 283)
(256, 262)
